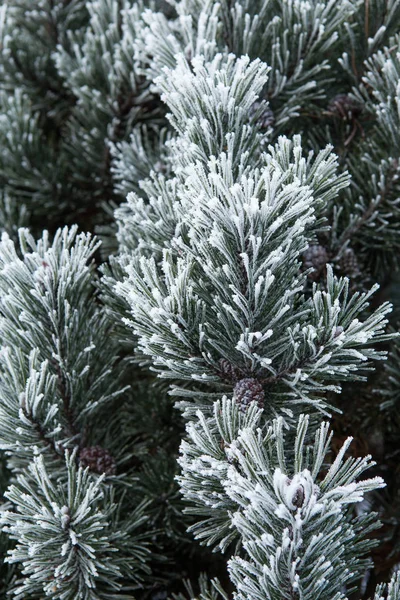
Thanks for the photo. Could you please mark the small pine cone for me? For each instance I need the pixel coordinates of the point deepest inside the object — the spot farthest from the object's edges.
(266, 119)
(315, 257)
(98, 459)
(348, 263)
(298, 497)
(228, 371)
(345, 107)
(247, 391)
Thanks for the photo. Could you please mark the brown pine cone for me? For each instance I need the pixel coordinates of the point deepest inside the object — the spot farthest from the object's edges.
(315, 257)
(249, 390)
(266, 119)
(98, 459)
(298, 497)
(345, 107)
(228, 371)
(348, 263)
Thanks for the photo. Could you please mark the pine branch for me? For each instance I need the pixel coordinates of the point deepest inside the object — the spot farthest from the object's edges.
(274, 495)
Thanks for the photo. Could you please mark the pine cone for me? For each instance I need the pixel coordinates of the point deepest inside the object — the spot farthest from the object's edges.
(298, 497)
(315, 257)
(249, 390)
(228, 371)
(345, 107)
(348, 263)
(266, 119)
(98, 459)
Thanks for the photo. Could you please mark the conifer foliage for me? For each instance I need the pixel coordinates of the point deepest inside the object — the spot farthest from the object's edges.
(199, 379)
